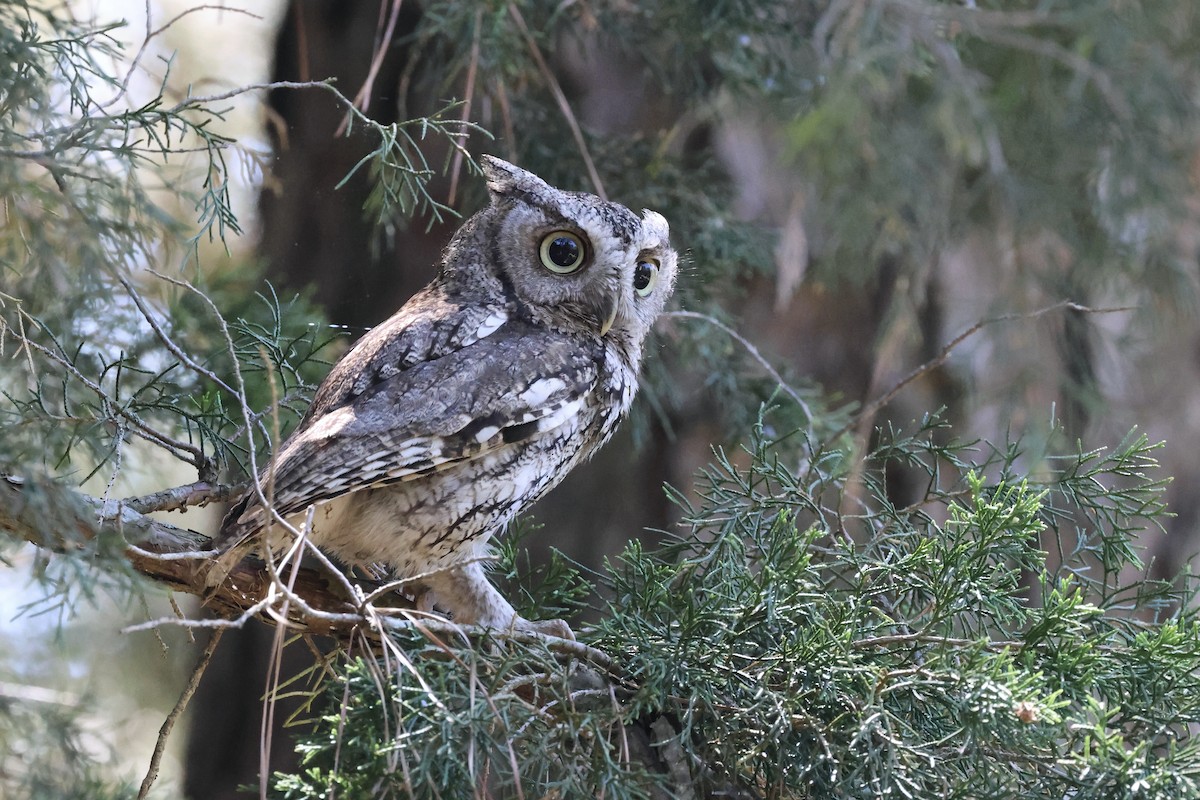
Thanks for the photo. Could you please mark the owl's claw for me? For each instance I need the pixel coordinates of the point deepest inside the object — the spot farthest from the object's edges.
(465, 593)
(546, 627)
(424, 601)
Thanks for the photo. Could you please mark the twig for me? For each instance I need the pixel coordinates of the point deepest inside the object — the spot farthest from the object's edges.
(400, 583)
(117, 450)
(177, 498)
(872, 408)
(506, 120)
(362, 100)
(166, 340)
(140, 427)
(560, 98)
(191, 101)
(152, 34)
(180, 705)
(927, 638)
(206, 623)
(239, 381)
(751, 349)
(468, 96)
(271, 695)
(558, 645)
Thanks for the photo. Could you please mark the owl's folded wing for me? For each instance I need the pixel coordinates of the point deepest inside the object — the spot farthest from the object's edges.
(429, 417)
(430, 326)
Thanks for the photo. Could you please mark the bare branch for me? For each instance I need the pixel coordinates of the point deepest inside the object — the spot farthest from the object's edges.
(152, 544)
(178, 498)
(151, 35)
(305, 599)
(164, 732)
(871, 409)
(560, 98)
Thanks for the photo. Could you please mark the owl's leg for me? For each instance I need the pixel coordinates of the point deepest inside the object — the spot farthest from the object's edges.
(466, 593)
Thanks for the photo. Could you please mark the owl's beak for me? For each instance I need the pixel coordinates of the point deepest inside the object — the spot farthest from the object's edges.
(612, 317)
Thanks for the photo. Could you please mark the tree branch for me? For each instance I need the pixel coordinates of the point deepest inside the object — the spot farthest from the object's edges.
(55, 517)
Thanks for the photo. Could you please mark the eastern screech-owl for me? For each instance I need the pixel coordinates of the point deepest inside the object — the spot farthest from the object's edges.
(478, 396)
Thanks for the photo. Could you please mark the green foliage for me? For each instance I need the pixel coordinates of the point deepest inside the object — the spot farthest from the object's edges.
(805, 633)
(818, 652)
(456, 714)
(45, 753)
(807, 651)
(554, 589)
(279, 350)
(83, 215)
(1059, 120)
(399, 171)
(108, 345)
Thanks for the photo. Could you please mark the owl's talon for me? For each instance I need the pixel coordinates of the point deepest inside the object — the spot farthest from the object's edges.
(547, 627)
(423, 601)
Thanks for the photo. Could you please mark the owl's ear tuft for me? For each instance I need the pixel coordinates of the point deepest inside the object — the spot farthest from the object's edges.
(504, 179)
(655, 225)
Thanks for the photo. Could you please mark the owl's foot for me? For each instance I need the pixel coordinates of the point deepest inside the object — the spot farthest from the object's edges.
(546, 627)
(466, 593)
(424, 601)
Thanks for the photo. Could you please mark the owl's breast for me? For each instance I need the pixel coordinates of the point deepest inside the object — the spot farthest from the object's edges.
(616, 387)
(422, 519)
(448, 516)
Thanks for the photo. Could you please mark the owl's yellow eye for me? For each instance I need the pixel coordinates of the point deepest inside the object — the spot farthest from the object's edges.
(562, 252)
(645, 277)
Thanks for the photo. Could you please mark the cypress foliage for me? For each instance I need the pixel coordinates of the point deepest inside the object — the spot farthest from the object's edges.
(802, 632)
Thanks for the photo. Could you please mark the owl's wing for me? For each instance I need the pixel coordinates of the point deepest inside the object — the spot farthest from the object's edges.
(431, 325)
(495, 392)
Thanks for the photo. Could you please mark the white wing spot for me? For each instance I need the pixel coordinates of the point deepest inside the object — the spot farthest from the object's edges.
(540, 390)
(561, 415)
(491, 323)
(331, 424)
(486, 433)
(412, 449)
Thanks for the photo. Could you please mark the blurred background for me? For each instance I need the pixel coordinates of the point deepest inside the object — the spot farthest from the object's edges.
(854, 183)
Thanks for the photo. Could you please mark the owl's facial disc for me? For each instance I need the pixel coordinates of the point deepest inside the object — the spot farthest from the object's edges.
(569, 256)
(595, 302)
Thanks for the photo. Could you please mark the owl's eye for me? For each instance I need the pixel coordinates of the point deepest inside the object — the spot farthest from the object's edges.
(562, 252)
(645, 277)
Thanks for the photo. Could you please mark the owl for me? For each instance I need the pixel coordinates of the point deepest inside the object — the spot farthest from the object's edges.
(477, 397)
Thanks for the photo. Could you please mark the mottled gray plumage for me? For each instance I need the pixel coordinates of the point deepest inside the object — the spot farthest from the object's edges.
(479, 395)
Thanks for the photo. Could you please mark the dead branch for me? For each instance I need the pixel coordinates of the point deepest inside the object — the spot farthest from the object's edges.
(56, 517)
(314, 600)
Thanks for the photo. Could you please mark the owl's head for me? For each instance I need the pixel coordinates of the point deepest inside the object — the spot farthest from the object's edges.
(577, 262)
